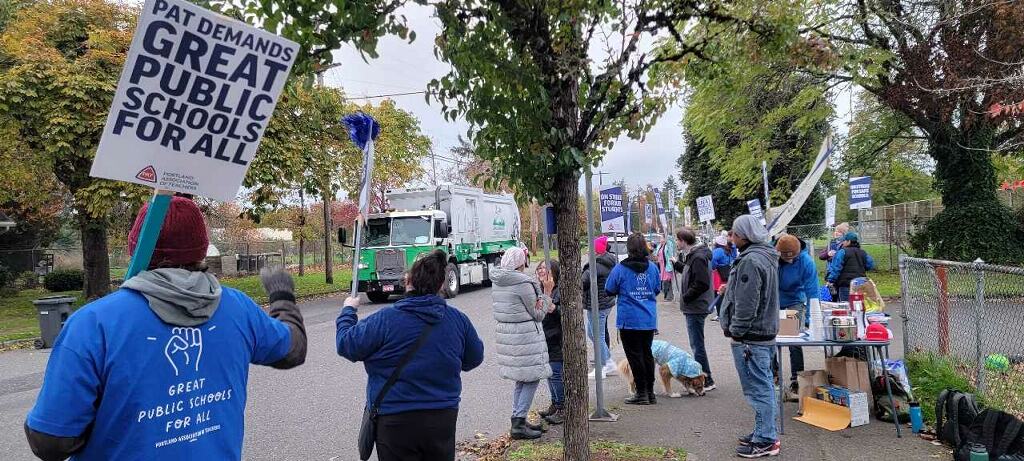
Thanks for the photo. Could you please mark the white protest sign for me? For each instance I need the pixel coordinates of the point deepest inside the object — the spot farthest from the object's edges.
(687, 217)
(830, 211)
(705, 209)
(195, 96)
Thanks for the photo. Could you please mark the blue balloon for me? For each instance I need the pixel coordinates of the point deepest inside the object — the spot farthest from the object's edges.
(361, 128)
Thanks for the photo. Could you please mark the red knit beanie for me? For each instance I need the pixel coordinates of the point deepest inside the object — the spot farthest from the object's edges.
(182, 238)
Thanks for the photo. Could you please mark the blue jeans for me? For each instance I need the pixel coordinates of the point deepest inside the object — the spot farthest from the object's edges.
(695, 330)
(606, 355)
(754, 367)
(522, 398)
(555, 384)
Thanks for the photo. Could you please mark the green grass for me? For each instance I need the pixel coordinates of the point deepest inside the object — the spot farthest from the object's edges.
(18, 315)
(602, 450)
(930, 374)
(888, 282)
(18, 318)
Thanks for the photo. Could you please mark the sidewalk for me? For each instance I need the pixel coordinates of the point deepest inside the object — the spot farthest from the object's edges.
(707, 427)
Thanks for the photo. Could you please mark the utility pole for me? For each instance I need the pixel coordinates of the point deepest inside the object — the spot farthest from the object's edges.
(328, 200)
(600, 177)
(433, 163)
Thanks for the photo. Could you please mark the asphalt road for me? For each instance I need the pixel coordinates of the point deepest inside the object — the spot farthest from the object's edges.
(313, 412)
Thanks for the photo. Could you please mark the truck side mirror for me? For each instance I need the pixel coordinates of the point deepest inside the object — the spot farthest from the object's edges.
(441, 229)
(343, 236)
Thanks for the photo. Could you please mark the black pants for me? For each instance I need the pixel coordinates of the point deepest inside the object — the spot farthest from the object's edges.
(424, 435)
(637, 346)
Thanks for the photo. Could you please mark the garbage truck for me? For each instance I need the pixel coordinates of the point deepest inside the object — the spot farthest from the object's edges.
(472, 227)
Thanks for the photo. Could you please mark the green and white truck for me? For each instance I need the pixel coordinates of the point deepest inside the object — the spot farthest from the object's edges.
(472, 227)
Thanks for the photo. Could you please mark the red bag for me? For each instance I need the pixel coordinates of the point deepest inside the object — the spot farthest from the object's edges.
(716, 281)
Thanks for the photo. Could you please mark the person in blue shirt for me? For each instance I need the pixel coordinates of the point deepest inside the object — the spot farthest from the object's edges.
(798, 288)
(849, 263)
(637, 282)
(418, 414)
(157, 370)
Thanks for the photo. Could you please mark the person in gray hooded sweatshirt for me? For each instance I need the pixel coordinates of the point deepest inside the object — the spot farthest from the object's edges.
(750, 316)
(520, 304)
(157, 370)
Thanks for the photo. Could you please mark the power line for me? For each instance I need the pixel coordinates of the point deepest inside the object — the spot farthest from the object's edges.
(388, 95)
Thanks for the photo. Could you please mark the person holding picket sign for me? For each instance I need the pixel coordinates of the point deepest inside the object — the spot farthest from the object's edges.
(157, 370)
(414, 373)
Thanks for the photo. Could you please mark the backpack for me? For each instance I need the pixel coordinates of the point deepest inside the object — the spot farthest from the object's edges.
(883, 408)
(955, 412)
(1001, 433)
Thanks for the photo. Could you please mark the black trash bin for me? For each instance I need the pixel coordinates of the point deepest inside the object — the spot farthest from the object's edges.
(53, 312)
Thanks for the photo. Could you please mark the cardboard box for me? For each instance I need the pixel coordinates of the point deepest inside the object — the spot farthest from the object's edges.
(808, 383)
(849, 373)
(857, 402)
(790, 323)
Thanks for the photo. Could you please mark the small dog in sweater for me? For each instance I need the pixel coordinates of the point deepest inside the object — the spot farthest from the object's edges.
(673, 363)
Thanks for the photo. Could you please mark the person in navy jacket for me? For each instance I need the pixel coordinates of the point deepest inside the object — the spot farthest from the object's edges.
(157, 370)
(417, 416)
(637, 282)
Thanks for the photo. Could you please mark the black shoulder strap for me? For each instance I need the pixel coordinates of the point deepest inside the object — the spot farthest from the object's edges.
(954, 417)
(401, 365)
(1009, 436)
(940, 410)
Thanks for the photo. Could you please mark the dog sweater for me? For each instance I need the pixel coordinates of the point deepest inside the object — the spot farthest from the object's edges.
(680, 362)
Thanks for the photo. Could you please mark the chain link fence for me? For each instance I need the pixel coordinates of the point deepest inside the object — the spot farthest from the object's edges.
(973, 315)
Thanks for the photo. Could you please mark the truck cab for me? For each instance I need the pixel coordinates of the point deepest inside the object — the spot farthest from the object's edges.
(471, 227)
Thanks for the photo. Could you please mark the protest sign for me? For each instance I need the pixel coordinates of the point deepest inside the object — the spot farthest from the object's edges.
(195, 96)
(860, 192)
(687, 216)
(705, 209)
(660, 208)
(830, 211)
(755, 209)
(612, 219)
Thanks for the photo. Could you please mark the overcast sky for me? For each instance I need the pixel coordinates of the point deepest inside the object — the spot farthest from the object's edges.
(403, 67)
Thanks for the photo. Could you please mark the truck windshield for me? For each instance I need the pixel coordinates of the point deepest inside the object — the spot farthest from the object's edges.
(378, 232)
(413, 230)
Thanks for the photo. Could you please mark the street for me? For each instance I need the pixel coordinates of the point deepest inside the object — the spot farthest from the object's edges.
(313, 412)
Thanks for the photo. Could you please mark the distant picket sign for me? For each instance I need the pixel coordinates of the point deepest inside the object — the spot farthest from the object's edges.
(195, 96)
(705, 209)
(612, 216)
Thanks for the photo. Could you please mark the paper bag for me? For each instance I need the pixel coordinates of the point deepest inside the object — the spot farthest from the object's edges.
(807, 383)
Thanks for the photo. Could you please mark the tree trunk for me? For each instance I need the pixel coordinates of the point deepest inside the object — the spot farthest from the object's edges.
(328, 256)
(974, 223)
(576, 437)
(95, 258)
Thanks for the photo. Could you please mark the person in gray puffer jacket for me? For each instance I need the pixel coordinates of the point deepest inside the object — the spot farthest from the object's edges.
(750, 316)
(520, 304)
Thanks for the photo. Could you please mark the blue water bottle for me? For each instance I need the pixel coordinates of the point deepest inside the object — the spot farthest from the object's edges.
(915, 417)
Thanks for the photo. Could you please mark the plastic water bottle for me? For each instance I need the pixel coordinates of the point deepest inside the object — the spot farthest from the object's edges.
(817, 322)
(915, 417)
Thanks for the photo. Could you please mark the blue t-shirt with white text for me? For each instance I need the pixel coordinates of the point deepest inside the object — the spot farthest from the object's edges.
(153, 391)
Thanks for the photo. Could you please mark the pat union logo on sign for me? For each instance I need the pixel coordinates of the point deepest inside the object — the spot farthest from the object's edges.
(147, 174)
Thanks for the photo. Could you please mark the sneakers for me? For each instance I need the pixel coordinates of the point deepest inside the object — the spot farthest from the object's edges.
(710, 386)
(792, 393)
(759, 450)
(745, 440)
(608, 370)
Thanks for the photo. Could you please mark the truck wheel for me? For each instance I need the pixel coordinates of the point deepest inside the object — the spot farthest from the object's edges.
(451, 281)
(378, 296)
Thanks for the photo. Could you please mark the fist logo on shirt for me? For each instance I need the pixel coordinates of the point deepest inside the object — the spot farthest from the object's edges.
(184, 349)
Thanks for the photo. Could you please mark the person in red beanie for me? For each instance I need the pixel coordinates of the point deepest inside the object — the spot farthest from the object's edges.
(605, 263)
(157, 370)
